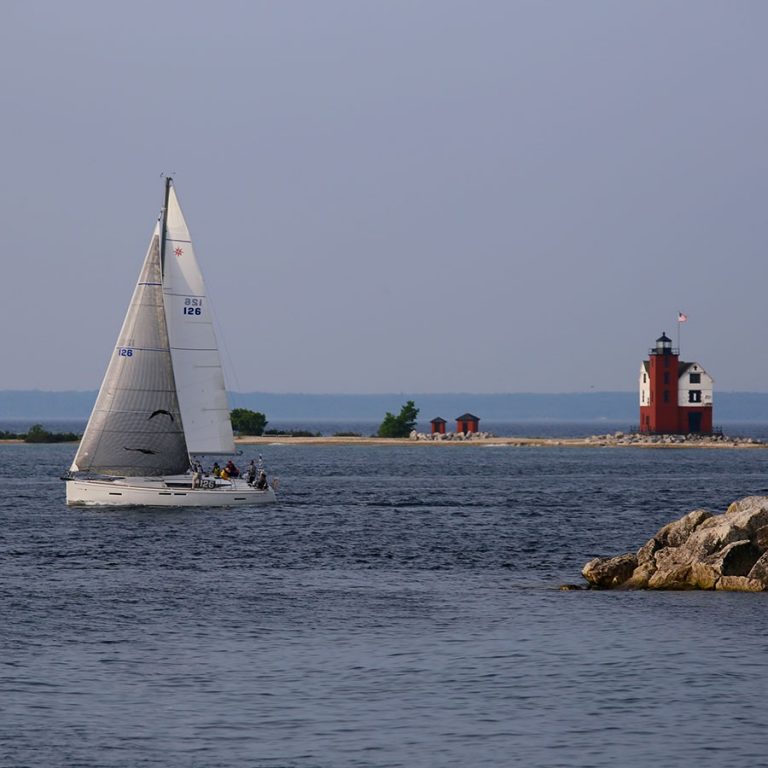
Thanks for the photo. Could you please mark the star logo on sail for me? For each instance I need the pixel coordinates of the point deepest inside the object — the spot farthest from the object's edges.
(179, 251)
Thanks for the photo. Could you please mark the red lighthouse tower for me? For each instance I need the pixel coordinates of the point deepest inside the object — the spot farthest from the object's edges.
(675, 397)
(660, 414)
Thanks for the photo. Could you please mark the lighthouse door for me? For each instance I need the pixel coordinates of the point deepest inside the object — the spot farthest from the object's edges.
(694, 422)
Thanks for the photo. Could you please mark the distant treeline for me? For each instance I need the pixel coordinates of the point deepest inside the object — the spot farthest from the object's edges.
(37, 434)
(579, 406)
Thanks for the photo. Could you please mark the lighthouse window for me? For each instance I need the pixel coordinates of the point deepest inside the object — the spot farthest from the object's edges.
(695, 378)
(666, 395)
(694, 396)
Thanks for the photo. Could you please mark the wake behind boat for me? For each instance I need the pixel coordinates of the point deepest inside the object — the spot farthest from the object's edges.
(162, 402)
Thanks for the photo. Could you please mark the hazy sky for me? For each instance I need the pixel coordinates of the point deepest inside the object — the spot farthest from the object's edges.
(393, 196)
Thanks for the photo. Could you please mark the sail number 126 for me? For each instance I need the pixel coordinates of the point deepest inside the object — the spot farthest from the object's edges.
(192, 306)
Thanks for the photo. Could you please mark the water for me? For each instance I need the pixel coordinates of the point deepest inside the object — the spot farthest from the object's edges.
(327, 427)
(399, 607)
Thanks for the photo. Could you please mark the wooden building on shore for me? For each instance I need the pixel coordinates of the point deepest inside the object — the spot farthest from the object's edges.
(467, 423)
(438, 425)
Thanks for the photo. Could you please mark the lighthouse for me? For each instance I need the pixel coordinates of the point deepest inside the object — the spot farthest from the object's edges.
(675, 396)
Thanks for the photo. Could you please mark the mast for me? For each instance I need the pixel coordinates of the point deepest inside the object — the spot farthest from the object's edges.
(164, 222)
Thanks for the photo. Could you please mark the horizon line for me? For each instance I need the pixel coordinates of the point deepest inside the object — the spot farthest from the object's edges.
(401, 393)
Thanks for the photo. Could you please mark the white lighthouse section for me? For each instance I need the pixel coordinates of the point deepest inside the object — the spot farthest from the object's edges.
(645, 385)
(695, 386)
(196, 363)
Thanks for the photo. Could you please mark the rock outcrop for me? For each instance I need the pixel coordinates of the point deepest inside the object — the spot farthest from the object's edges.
(660, 441)
(698, 551)
(414, 435)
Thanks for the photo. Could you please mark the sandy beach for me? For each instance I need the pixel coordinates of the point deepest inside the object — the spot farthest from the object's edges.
(597, 441)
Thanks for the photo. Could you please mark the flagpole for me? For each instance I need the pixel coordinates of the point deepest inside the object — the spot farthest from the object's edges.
(681, 318)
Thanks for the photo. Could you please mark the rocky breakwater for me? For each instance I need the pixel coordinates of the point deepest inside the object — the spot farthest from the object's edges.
(451, 436)
(699, 551)
(695, 440)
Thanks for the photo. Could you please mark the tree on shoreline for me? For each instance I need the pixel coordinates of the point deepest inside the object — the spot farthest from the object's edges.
(401, 425)
(246, 422)
(38, 434)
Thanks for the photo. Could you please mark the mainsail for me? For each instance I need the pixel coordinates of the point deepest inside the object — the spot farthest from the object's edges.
(135, 428)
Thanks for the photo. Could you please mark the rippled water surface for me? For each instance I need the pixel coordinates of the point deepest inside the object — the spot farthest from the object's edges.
(398, 607)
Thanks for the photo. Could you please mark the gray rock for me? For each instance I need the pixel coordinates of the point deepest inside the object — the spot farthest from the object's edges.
(735, 559)
(610, 571)
(647, 551)
(759, 570)
(749, 514)
(674, 577)
(698, 551)
(640, 576)
(709, 538)
(760, 538)
(703, 576)
(675, 533)
(740, 584)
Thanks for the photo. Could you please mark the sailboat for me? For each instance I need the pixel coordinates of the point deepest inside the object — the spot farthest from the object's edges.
(162, 406)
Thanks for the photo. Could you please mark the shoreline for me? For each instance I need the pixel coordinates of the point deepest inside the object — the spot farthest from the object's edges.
(595, 441)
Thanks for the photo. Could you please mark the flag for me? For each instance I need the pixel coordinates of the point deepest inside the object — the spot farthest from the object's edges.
(681, 318)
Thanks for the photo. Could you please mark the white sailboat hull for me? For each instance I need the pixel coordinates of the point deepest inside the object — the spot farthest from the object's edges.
(163, 492)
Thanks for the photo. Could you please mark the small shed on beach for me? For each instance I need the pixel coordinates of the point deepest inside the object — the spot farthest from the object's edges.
(467, 423)
(438, 426)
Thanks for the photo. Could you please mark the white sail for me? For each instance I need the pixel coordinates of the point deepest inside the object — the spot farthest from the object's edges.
(196, 363)
(163, 394)
(135, 427)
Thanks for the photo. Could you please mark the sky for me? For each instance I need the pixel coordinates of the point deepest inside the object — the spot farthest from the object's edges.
(401, 196)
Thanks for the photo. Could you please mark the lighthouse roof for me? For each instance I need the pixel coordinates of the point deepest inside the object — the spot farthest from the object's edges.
(682, 367)
(663, 337)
